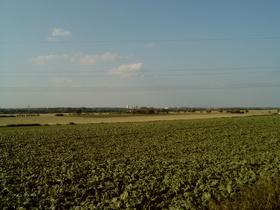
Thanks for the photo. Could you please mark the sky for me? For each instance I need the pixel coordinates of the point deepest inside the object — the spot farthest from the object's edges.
(152, 53)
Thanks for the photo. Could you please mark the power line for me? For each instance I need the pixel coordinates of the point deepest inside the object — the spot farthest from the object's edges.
(145, 70)
(144, 75)
(140, 88)
(138, 41)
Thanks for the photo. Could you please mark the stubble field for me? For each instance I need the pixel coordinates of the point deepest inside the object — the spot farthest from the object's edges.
(52, 119)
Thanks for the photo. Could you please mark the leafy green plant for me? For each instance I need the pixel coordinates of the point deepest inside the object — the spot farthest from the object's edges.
(172, 164)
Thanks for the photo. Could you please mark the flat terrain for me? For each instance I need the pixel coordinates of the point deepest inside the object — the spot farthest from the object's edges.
(182, 164)
(51, 119)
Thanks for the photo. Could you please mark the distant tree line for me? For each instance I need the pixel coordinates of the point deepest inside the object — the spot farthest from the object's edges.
(146, 110)
(142, 110)
(237, 111)
(60, 110)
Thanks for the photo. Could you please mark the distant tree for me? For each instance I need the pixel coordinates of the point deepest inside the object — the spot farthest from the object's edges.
(208, 111)
(151, 110)
(60, 115)
(235, 111)
(161, 110)
(78, 111)
(193, 110)
(164, 111)
(221, 110)
(143, 110)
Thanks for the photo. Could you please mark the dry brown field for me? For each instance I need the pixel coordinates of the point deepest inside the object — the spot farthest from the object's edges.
(51, 119)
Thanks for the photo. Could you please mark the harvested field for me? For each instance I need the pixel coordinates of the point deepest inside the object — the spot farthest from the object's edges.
(51, 119)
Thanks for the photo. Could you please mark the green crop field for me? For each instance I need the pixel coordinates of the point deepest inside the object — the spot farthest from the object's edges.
(181, 164)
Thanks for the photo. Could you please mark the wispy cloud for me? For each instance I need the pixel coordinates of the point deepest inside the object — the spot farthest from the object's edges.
(92, 59)
(127, 70)
(79, 58)
(58, 32)
(47, 58)
(150, 45)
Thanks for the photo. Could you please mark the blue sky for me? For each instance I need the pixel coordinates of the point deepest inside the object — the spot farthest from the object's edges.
(157, 53)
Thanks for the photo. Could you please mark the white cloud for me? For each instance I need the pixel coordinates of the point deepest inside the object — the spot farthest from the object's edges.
(151, 45)
(127, 70)
(92, 59)
(62, 80)
(58, 32)
(79, 58)
(47, 58)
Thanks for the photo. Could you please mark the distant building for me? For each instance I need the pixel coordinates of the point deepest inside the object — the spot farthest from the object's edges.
(134, 107)
(131, 107)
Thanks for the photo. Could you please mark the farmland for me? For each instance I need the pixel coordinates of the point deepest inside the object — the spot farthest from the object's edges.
(179, 164)
(52, 119)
